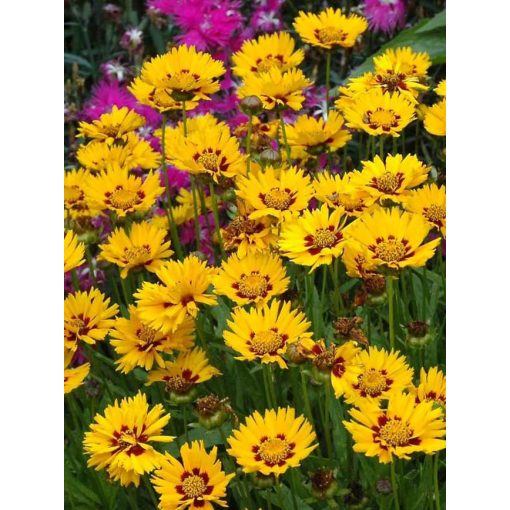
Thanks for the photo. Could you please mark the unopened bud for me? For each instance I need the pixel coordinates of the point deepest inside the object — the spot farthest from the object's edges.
(251, 105)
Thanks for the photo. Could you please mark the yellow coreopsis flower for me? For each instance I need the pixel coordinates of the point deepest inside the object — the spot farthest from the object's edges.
(276, 89)
(132, 152)
(316, 135)
(73, 377)
(272, 443)
(182, 74)
(280, 193)
(405, 60)
(255, 278)
(112, 126)
(264, 333)
(336, 360)
(121, 439)
(314, 238)
(143, 246)
(75, 201)
(339, 191)
(379, 113)
(213, 151)
(330, 28)
(195, 482)
(246, 235)
(430, 202)
(267, 51)
(118, 191)
(87, 317)
(184, 287)
(390, 179)
(74, 251)
(398, 429)
(381, 373)
(435, 119)
(140, 345)
(393, 239)
(432, 387)
(182, 374)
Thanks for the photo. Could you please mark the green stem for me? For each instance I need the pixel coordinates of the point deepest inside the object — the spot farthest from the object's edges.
(391, 309)
(284, 134)
(394, 485)
(216, 215)
(328, 74)
(195, 211)
(437, 498)
(170, 215)
(248, 145)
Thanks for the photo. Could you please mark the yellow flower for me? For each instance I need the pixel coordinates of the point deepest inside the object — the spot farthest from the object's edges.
(430, 202)
(393, 239)
(87, 317)
(182, 374)
(139, 345)
(314, 238)
(121, 439)
(131, 153)
(272, 443)
(379, 113)
(399, 429)
(75, 201)
(435, 119)
(405, 60)
(280, 193)
(122, 193)
(255, 278)
(338, 360)
(267, 51)
(440, 90)
(73, 377)
(276, 88)
(264, 333)
(184, 287)
(381, 373)
(432, 387)
(182, 74)
(112, 126)
(212, 150)
(390, 179)
(316, 135)
(195, 482)
(73, 251)
(339, 191)
(143, 247)
(246, 235)
(330, 28)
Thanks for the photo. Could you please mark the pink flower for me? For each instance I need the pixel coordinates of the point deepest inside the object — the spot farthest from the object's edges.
(385, 15)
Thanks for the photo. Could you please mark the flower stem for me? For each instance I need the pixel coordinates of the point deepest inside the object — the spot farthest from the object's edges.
(284, 134)
(394, 485)
(248, 145)
(328, 74)
(171, 221)
(391, 309)
(216, 215)
(437, 498)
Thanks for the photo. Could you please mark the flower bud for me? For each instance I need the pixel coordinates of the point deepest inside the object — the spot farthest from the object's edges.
(251, 105)
(270, 157)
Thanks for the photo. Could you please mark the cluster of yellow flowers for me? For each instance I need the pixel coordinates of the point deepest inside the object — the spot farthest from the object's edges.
(377, 220)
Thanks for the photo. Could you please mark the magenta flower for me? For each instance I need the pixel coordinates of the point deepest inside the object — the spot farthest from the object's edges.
(385, 15)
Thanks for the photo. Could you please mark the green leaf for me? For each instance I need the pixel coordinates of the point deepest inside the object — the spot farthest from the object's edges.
(438, 21)
(419, 38)
(71, 58)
